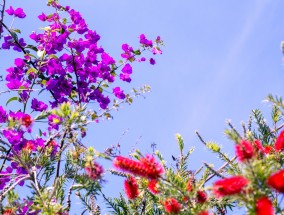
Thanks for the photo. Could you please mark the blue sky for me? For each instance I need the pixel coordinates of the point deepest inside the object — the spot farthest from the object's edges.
(220, 61)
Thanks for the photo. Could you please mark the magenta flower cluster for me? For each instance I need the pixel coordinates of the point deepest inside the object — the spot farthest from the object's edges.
(78, 74)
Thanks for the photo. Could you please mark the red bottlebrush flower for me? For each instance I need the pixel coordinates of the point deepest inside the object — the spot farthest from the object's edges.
(201, 196)
(131, 188)
(268, 149)
(146, 167)
(94, 170)
(229, 186)
(203, 213)
(172, 206)
(153, 169)
(276, 181)
(8, 212)
(189, 185)
(264, 206)
(279, 144)
(152, 186)
(258, 146)
(244, 150)
(129, 165)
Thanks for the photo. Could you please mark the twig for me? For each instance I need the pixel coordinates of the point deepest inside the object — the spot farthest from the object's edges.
(216, 172)
(12, 186)
(2, 17)
(220, 169)
(233, 128)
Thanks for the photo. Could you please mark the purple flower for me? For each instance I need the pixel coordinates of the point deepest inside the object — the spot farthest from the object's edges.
(107, 59)
(3, 115)
(8, 42)
(127, 69)
(152, 61)
(54, 121)
(128, 51)
(125, 77)
(118, 93)
(10, 11)
(104, 101)
(20, 62)
(21, 44)
(144, 41)
(38, 105)
(14, 85)
(14, 137)
(158, 39)
(42, 17)
(156, 50)
(19, 12)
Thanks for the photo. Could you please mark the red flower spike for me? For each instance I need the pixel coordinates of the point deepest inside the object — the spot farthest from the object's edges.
(153, 169)
(268, 149)
(189, 185)
(244, 150)
(8, 212)
(147, 167)
(264, 206)
(279, 144)
(201, 197)
(258, 146)
(131, 188)
(128, 165)
(276, 181)
(229, 186)
(152, 186)
(172, 206)
(94, 170)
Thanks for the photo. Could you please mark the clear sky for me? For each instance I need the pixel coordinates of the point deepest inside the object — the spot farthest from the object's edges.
(220, 61)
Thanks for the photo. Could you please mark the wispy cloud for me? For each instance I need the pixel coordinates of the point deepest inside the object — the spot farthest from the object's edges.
(203, 107)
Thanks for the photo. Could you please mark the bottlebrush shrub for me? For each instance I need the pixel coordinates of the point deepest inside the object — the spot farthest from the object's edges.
(252, 179)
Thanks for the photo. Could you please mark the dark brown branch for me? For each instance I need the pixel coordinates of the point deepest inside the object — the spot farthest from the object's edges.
(2, 17)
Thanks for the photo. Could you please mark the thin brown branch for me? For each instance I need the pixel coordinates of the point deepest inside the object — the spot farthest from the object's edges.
(2, 17)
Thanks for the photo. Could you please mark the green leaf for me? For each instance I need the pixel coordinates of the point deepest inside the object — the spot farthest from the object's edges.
(16, 30)
(32, 48)
(12, 99)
